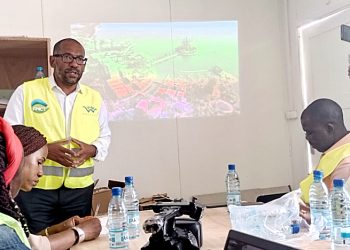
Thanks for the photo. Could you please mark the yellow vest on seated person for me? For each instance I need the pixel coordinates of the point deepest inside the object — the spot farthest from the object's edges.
(15, 225)
(42, 111)
(327, 164)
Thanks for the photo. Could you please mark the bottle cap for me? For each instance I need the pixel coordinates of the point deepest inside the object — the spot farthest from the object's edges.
(116, 191)
(39, 68)
(129, 180)
(231, 167)
(318, 174)
(338, 182)
(295, 228)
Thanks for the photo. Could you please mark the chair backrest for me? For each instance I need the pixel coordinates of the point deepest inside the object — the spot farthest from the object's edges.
(269, 197)
(113, 183)
(249, 195)
(253, 194)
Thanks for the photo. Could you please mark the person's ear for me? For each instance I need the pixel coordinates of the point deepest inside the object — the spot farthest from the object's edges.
(52, 61)
(330, 128)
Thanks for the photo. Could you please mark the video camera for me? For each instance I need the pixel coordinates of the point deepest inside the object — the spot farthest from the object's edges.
(169, 232)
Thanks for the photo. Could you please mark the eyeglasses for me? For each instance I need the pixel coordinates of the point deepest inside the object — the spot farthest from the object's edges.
(68, 58)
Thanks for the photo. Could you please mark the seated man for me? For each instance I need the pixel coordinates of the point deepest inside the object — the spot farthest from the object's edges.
(324, 129)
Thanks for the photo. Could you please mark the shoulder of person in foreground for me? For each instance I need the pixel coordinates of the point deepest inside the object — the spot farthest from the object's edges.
(9, 239)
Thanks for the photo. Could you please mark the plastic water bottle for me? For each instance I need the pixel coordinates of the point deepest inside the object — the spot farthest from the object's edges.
(39, 73)
(340, 211)
(345, 234)
(320, 206)
(132, 207)
(117, 221)
(232, 186)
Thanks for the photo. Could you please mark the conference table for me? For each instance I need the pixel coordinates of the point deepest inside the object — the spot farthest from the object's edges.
(215, 227)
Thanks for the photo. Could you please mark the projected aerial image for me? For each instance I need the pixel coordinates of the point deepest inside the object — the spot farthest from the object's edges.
(163, 70)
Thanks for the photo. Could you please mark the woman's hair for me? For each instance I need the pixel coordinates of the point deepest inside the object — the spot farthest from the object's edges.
(7, 205)
(31, 139)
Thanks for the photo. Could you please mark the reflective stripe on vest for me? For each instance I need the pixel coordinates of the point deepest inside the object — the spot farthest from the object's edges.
(74, 172)
(51, 170)
(81, 172)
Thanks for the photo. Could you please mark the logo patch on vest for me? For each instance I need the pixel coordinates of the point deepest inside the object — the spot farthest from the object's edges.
(90, 109)
(39, 106)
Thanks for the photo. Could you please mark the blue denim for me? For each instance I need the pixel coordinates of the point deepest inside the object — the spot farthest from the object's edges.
(9, 240)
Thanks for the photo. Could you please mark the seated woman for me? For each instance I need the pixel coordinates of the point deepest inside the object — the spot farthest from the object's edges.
(16, 174)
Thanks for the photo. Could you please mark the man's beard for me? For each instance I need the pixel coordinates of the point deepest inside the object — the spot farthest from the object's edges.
(71, 81)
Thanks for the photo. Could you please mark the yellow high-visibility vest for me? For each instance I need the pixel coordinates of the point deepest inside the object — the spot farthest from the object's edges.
(43, 112)
(327, 164)
(15, 225)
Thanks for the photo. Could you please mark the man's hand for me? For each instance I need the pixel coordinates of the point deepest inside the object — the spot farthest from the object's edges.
(83, 152)
(92, 228)
(304, 211)
(78, 220)
(61, 154)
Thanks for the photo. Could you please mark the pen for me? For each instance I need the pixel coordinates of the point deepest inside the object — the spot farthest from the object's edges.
(97, 208)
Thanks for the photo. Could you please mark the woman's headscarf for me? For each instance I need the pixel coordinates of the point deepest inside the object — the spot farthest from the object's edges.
(31, 139)
(14, 151)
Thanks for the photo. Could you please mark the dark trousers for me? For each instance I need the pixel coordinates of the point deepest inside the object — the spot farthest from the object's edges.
(44, 208)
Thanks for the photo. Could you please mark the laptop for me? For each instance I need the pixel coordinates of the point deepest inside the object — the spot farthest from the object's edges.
(237, 240)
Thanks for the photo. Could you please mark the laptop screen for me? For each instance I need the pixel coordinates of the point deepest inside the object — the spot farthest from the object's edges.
(237, 240)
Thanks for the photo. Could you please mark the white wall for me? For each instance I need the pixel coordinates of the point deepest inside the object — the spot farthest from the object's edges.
(302, 12)
(299, 13)
(189, 156)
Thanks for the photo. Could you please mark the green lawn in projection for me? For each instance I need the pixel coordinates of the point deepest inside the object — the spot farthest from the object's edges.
(163, 70)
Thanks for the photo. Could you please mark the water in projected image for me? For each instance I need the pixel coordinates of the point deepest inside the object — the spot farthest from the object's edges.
(163, 70)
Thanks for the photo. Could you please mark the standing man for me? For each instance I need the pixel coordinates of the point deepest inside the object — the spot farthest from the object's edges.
(74, 120)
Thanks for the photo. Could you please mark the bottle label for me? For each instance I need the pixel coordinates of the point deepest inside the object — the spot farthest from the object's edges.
(133, 218)
(118, 238)
(233, 199)
(133, 224)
